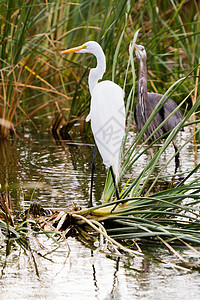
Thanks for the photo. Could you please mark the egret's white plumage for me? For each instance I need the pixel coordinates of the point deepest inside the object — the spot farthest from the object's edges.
(108, 121)
(107, 111)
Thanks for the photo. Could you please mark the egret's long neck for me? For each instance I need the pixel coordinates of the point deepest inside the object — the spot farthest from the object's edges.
(97, 73)
(142, 82)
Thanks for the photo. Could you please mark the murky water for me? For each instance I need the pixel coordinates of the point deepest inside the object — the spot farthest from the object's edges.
(58, 175)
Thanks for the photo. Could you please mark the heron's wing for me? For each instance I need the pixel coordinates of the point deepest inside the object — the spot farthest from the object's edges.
(142, 113)
(175, 119)
(164, 112)
(108, 121)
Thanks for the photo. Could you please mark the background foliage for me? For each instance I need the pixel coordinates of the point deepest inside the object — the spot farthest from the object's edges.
(36, 81)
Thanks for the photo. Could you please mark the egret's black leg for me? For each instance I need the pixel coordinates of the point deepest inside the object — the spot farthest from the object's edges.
(113, 177)
(92, 174)
(177, 161)
(115, 185)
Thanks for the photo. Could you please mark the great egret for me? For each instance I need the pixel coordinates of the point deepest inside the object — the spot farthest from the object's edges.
(147, 102)
(107, 112)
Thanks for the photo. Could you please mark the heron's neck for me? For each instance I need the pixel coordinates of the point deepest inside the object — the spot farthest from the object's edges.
(142, 82)
(97, 73)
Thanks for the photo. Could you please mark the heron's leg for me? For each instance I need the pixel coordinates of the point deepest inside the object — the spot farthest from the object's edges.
(92, 174)
(151, 152)
(150, 149)
(116, 190)
(177, 161)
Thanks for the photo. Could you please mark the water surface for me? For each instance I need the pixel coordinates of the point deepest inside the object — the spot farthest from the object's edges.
(58, 175)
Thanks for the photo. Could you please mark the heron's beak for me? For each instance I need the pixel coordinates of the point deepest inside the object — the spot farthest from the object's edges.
(76, 49)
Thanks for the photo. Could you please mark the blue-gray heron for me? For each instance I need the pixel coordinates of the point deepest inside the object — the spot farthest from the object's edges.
(147, 102)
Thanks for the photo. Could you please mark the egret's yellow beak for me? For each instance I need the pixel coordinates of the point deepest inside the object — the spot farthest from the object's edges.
(76, 49)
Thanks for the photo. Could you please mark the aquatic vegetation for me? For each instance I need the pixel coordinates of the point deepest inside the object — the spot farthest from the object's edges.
(169, 217)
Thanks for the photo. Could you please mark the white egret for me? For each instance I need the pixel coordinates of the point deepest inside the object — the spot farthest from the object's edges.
(107, 111)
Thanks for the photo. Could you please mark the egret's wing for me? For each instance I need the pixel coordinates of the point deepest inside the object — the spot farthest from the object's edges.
(108, 121)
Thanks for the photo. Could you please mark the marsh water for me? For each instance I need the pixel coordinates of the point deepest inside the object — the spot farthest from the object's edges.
(57, 174)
